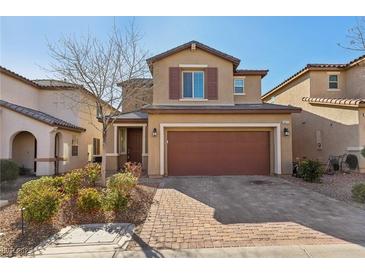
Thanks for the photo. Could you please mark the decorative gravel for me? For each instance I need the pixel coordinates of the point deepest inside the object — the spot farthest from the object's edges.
(14, 243)
(337, 186)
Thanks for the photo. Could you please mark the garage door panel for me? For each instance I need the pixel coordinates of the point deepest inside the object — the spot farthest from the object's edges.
(218, 153)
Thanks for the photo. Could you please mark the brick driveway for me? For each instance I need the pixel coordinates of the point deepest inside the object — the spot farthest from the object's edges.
(203, 212)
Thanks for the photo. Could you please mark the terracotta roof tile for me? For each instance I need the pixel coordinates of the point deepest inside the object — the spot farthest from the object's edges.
(335, 101)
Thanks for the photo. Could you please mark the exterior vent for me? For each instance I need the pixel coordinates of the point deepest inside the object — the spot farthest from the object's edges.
(193, 47)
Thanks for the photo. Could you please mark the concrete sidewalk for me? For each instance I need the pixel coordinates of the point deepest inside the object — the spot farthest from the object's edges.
(294, 251)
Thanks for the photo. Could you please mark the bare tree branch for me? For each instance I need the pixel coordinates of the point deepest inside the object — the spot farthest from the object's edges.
(98, 67)
(356, 36)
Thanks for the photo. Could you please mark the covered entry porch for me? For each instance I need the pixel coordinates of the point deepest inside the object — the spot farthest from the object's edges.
(127, 141)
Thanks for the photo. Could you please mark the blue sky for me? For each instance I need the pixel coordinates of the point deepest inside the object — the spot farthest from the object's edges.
(281, 44)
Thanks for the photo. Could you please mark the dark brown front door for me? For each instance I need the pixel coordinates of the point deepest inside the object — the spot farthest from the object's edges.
(218, 153)
(134, 145)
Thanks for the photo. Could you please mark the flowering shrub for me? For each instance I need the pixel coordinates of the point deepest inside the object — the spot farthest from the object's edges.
(134, 168)
(40, 199)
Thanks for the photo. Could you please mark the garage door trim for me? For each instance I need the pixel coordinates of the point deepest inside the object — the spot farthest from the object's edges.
(277, 138)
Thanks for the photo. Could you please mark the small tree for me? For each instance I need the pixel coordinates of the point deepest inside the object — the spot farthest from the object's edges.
(98, 67)
(356, 36)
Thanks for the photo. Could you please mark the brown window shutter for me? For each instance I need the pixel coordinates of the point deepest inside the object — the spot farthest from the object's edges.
(174, 83)
(211, 83)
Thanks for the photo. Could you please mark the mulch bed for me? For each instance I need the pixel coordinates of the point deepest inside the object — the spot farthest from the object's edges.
(13, 243)
(337, 186)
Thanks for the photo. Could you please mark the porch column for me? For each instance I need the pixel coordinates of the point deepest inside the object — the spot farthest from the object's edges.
(144, 140)
(115, 139)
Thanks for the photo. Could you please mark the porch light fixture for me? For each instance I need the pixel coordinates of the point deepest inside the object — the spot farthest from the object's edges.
(154, 132)
(286, 131)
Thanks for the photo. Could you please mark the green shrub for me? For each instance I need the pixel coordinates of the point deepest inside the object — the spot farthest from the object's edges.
(310, 170)
(40, 199)
(9, 170)
(358, 193)
(123, 183)
(72, 181)
(89, 199)
(58, 182)
(92, 173)
(114, 201)
(134, 168)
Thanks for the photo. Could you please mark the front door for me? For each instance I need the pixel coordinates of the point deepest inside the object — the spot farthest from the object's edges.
(134, 145)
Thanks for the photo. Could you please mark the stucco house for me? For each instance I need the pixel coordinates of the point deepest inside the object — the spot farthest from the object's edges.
(332, 98)
(206, 118)
(43, 125)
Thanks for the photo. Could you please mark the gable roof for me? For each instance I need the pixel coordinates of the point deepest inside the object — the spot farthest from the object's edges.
(41, 116)
(234, 60)
(309, 67)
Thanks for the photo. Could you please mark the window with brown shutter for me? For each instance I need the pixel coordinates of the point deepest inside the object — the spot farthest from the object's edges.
(212, 83)
(174, 83)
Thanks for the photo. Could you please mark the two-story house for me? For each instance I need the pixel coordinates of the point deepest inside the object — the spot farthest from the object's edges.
(332, 97)
(44, 127)
(206, 118)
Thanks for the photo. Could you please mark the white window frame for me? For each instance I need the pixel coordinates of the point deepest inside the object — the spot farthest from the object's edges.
(192, 82)
(329, 74)
(234, 85)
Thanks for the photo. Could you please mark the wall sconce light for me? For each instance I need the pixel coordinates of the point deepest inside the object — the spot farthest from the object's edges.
(154, 132)
(286, 131)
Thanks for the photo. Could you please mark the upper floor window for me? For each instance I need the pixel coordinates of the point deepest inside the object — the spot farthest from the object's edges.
(193, 84)
(239, 86)
(333, 81)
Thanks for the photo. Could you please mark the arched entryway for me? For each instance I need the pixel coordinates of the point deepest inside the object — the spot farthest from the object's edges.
(24, 151)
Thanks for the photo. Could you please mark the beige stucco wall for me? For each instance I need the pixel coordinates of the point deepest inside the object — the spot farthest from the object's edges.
(355, 81)
(252, 90)
(155, 120)
(18, 92)
(319, 84)
(338, 126)
(198, 57)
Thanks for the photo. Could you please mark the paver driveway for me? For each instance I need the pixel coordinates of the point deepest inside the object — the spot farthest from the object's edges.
(198, 212)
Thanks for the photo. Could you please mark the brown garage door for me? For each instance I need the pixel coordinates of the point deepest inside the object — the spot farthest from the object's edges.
(218, 153)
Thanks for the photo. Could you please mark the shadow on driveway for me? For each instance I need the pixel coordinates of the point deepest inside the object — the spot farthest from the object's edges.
(260, 199)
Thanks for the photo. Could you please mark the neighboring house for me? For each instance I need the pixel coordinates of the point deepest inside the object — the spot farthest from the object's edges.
(136, 94)
(43, 126)
(206, 118)
(332, 97)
